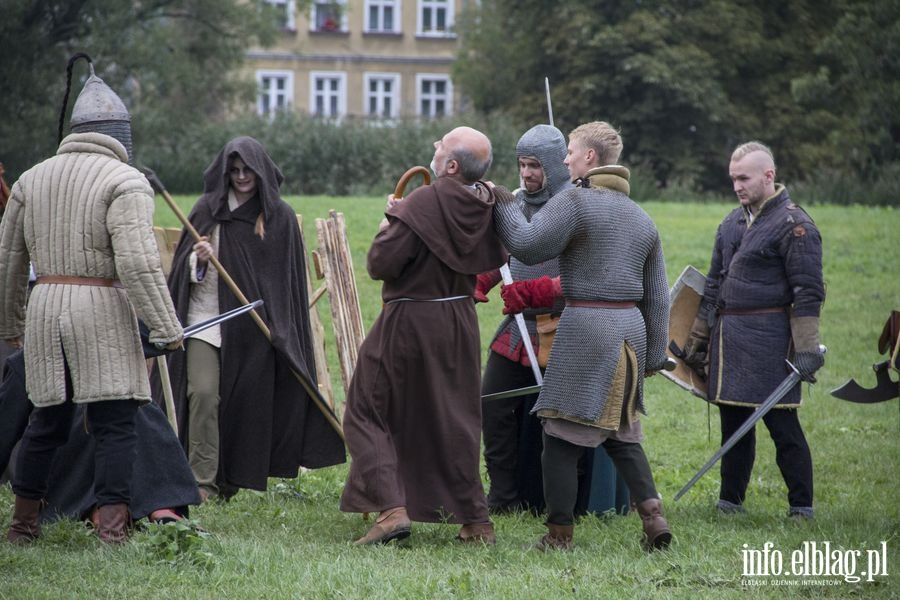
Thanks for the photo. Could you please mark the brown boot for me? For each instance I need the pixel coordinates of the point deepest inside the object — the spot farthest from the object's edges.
(113, 523)
(477, 533)
(558, 537)
(26, 521)
(656, 530)
(391, 524)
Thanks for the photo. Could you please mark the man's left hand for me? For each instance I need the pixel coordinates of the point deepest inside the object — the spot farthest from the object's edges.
(808, 363)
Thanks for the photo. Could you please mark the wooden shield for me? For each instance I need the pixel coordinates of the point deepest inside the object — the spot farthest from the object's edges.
(685, 297)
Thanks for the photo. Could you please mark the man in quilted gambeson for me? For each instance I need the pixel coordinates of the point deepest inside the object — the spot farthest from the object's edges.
(761, 305)
(84, 218)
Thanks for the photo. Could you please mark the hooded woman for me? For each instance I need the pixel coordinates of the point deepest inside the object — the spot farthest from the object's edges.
(242, 412)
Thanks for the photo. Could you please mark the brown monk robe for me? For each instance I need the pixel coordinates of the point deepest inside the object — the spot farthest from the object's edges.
(413, 412)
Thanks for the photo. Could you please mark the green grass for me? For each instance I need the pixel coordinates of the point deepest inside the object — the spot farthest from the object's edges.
(292, 541)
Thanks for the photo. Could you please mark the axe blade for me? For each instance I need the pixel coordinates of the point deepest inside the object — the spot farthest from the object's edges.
(884, 390)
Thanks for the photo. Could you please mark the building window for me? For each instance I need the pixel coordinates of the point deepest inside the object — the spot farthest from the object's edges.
(382, 16)
(284, 11)
(381, 97)
(435, 95)
(328, 94)
(329, 16)
(435, 18)
(276, 91)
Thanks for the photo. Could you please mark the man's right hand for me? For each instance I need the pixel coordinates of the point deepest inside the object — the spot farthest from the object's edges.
(175, 345)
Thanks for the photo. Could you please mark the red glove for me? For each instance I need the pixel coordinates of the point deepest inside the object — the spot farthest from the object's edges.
(530, 293)
(484, 282)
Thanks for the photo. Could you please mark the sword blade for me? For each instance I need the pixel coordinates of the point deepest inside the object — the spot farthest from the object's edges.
(196, 328)
(531, 389)
(523, 331)
(549, 104)
(783, 388)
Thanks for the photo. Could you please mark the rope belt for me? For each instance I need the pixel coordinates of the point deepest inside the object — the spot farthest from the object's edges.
(451, 298)
(752, 311)
(599, 304)
(75, 280)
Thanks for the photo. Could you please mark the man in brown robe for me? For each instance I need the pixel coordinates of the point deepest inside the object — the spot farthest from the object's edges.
(413, 412)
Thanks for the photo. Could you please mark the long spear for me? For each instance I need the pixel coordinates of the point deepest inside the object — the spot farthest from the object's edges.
(311, 390)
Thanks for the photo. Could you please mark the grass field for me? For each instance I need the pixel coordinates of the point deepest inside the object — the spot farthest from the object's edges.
(292, 542)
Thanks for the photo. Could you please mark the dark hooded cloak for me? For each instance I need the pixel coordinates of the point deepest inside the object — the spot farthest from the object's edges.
(268, 425)
(161, 477)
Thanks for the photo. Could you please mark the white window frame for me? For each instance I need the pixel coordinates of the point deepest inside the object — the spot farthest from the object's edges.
(394, 95)
(420, 96)
(287, 93)
(449, 18)
(341, 76)
(313, 16)
(290, 9)
(381, 5)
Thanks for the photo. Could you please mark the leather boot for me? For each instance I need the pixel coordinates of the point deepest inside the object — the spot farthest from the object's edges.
(391, 524)
(477, 533)
(657, 535)
(113, 523)
(26, 521)
(558, 537)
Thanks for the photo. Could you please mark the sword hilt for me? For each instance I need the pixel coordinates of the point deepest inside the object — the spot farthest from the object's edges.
(822, 350)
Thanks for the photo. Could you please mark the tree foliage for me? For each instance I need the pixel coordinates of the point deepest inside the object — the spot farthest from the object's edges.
(687, 80)
(175, 63)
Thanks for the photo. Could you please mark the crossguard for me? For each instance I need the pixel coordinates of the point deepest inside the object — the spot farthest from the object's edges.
(410, 173)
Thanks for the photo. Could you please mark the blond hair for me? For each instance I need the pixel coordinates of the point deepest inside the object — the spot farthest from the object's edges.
(602, 138)
(753, 146)
(260, 227)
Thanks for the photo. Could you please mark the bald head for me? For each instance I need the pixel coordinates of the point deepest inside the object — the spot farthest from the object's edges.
(752, 172)
(463, 153)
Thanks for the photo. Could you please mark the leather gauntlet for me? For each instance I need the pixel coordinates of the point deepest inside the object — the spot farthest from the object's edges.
(807, 357)
(696, 348)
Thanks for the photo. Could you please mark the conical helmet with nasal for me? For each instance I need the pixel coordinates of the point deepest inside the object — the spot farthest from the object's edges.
(99, 109)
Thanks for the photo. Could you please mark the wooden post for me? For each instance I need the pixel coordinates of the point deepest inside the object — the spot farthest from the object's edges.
(318, 332)
(334, 261)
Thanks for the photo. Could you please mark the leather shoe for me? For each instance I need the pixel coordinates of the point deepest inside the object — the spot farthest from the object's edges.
(473, 533)
(558, 537)
(391, 524)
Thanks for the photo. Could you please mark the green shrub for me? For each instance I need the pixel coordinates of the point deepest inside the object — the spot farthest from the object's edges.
(840, 187)
(322, 157)
(360, 158)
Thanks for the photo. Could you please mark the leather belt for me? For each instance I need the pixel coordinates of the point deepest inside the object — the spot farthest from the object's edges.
(75, 280)
(752, 311)
(448, 299)
(599, 304)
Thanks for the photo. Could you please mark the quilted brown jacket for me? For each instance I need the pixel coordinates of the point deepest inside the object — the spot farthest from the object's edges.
(84, 212)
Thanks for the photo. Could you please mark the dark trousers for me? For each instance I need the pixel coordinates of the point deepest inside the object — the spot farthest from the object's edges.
(791, 453)
(560, 466)
(512, 437)
(112, 424)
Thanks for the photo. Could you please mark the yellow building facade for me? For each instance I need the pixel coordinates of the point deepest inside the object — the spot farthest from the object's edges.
(361, 59)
